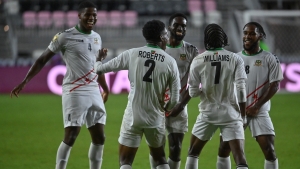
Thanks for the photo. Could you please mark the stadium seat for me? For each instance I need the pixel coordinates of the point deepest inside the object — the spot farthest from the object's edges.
(214, 17)
(44, 19)
(130, 18)
(197, 18)
(115, 18)
(58, 18)
(29, 19)
(72, 18)
(194, 5)
(102, 19)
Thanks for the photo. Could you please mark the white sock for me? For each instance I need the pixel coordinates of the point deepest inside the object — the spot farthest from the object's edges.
(174, 164)
(95, 156)
(223, 163)
(271, 164)
(62, 156)
(125, 167)
(242, 168)
(191, 163)
(163, 166)
(152, 162)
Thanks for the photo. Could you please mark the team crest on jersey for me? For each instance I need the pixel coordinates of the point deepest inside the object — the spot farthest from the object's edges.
(95, 40)
(153, 51)
(257, 63)
(182, 56)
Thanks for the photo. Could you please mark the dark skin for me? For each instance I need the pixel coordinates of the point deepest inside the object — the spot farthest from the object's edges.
(177, 31)
(88, 18)
(127, 154)
(266, 142)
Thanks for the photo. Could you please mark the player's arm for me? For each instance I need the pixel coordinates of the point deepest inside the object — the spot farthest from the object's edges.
(34, 70)
(273, 88)
(174, 87)
(102, 82)
(180, 106)
(120, 62)
(194, 80)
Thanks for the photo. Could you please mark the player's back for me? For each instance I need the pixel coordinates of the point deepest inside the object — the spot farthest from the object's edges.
(151, 70)
(218, 71)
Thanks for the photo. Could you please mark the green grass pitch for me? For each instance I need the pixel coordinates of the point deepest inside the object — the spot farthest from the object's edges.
(32, 129)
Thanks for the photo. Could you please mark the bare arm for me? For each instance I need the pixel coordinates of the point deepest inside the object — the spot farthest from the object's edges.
(273, 88)
(34, 70)
(102, 82)
(180, 106)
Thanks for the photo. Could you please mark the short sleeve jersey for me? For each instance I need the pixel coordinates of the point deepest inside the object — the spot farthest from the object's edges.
(217, 71)
(183, 54)
(79, 52)
(262, 69)
(151, 72)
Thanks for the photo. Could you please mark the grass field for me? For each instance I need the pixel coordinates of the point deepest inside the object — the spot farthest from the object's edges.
(32, 129)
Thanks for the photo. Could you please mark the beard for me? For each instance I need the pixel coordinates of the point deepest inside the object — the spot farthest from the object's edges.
(252, 47)
(177, 37)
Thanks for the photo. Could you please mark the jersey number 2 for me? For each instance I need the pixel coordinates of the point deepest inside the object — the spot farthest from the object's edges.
(218, 71)
(146, 77)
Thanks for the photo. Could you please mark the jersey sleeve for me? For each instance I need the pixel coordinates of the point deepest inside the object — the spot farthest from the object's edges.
(56, 43)
(194, 80)
(275, 72)
(174, 86)
(121, 62)
(240, 69)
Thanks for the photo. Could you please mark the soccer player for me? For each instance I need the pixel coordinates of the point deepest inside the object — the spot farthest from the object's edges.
(81, 98)
(264, 75)
(222, 77)
(151, 71)
(177, 121)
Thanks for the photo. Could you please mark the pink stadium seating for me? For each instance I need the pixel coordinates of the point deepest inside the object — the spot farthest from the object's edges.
(115, 18)
(29, 19)
(102, 19)
(195, 5)
(58, 18)
(130, 18)
(72, 18)
(44, 19)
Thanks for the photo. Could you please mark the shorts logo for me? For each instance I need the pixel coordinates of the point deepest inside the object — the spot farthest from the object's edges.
(182, 56)
(258, 63)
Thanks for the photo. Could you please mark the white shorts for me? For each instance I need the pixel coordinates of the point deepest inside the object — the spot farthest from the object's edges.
(83, 108)
(178, 124)
(261, 125)
(132, 136)
(204, 130)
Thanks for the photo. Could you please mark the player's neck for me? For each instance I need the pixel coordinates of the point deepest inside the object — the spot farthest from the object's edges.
(174, 43)
(253, 52)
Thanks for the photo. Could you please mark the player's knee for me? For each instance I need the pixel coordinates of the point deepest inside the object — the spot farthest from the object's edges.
(224, 150)
(175, 152)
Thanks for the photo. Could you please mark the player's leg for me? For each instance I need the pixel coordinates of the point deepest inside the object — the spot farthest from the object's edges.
(234, 135)
(159, 157)
(126, 156)
(96, 148)
(196, 146)
(175, 144)
(223, 159)
(266, 143)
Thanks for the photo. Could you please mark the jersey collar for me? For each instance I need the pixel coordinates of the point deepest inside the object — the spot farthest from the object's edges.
(215, 49)
(153, 46)
(244, 53)
(178, 46)
(81, 31)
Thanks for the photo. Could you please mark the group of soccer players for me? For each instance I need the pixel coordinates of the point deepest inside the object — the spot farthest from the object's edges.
(234, 89)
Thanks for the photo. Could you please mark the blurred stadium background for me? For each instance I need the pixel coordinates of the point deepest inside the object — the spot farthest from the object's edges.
(27, 27)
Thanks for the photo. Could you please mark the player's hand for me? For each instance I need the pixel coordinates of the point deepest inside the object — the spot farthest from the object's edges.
(17, 90)
(175, 111)
(252, 111)
(104, 96)
(102, 54)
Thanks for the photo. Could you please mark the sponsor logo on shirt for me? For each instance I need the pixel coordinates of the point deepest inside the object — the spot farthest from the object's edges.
(182, 56)
(257, 63)
(96, 41)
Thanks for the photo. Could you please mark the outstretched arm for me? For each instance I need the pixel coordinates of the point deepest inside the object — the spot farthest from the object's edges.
(180, 106)
(34, 70)
(273, 88)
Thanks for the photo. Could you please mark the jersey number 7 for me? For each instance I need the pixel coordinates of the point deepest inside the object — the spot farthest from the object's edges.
(146, 77)
(218, 71)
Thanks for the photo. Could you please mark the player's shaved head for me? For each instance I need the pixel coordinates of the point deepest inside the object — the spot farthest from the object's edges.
(259, 28)
(152, 30)
(176, 15)
(85, 4)
(214, 37)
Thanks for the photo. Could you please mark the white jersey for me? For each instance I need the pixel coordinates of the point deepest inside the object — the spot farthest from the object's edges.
(216, 71)
(79, 52)
(184, 55)
(151, 72)
(262, 69)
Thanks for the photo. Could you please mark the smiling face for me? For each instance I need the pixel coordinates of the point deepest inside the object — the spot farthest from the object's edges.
(251, 38)
(88, 18)
(178, 28)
